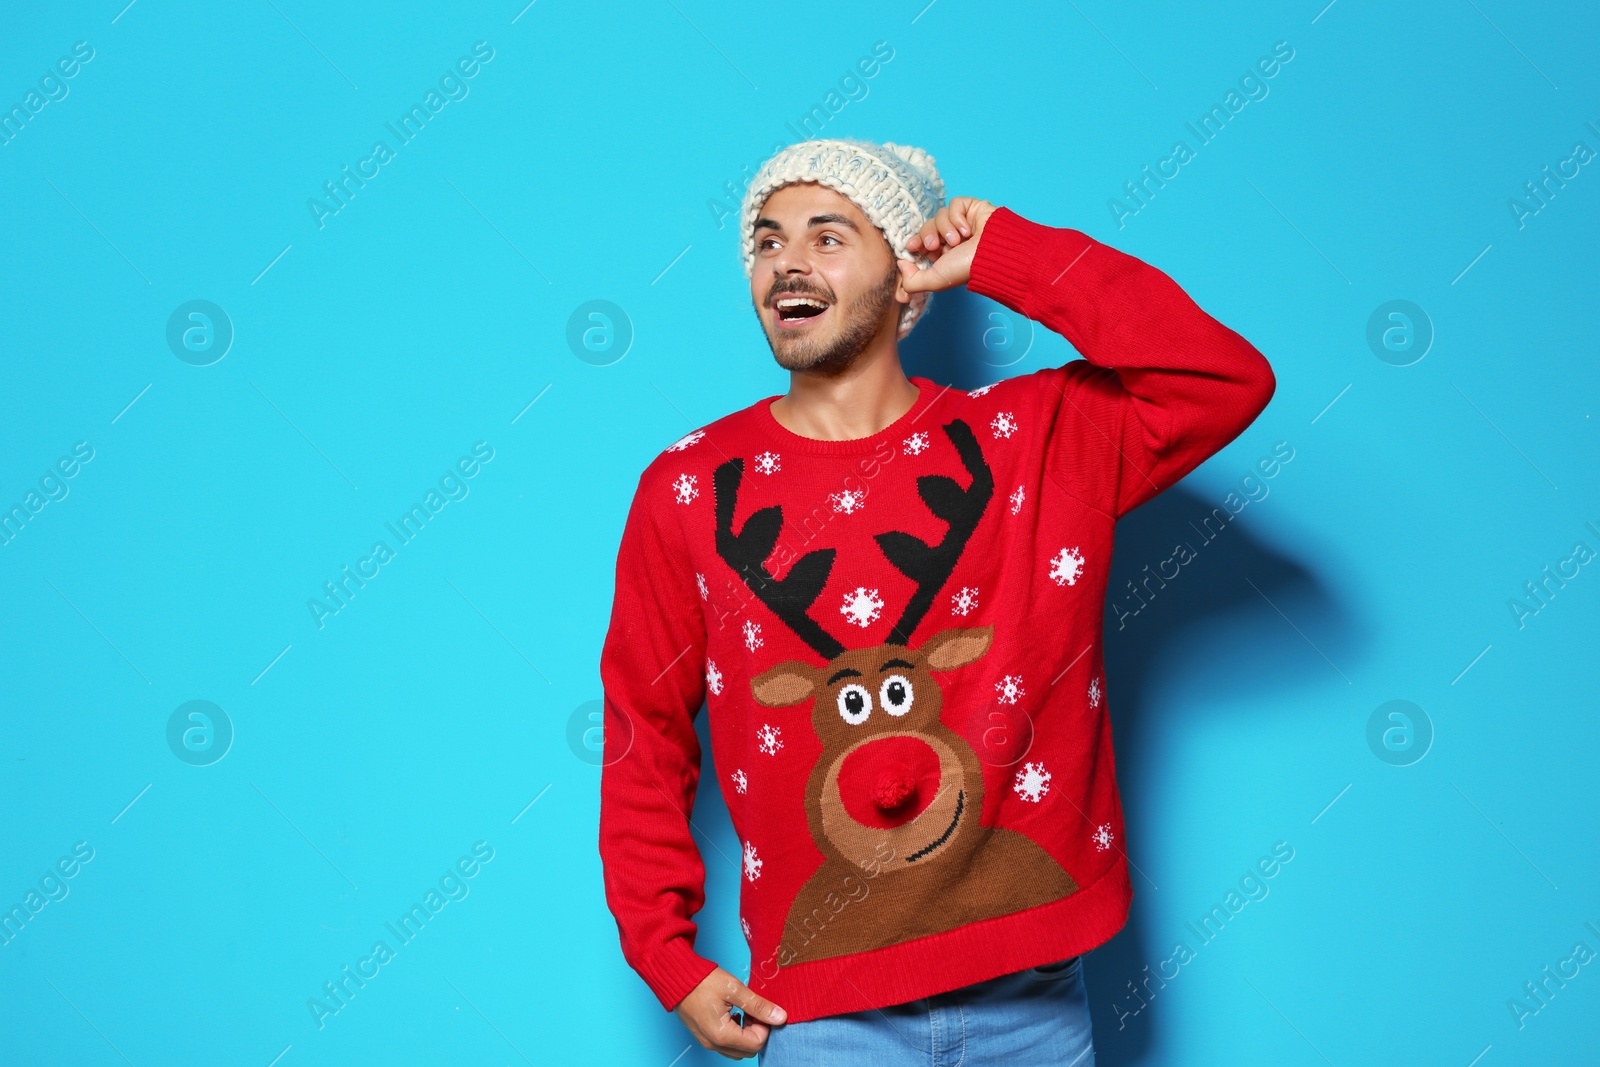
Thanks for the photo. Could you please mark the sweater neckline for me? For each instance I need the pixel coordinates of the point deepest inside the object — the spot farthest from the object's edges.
(927, 393)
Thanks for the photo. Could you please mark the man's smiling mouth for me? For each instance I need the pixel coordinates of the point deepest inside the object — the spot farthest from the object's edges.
(792, 311)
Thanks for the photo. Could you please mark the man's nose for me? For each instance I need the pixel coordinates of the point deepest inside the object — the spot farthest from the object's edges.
(792, 260)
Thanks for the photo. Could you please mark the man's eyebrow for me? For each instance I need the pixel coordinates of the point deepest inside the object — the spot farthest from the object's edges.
(822, 220)
(813, 222)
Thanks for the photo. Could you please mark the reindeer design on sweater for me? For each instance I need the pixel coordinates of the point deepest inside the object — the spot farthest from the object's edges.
(896, 792)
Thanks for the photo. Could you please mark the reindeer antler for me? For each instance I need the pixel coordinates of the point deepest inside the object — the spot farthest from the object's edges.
(931, 565)
(746, 552)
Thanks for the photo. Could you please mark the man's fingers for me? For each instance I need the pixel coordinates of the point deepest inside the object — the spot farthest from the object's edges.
(931, 280)
(736, 1042)
(753, 1004)
(726, 1037)
(708, 1012)
(749, 1037)
(958, 215)
(911, 278)
(950, 225)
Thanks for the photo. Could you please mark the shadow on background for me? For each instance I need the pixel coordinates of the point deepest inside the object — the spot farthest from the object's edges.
(1208, 589)
(965, 341)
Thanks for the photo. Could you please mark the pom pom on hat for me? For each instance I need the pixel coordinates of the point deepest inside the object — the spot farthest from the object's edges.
(896, 186)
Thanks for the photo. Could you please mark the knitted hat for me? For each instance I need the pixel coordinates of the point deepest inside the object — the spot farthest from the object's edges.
(895, 186)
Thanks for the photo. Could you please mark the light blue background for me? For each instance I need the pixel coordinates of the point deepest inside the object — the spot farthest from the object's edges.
(432, 310)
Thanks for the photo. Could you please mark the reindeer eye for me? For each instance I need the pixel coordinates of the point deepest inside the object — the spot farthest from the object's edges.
(854, 704)
(896, 694)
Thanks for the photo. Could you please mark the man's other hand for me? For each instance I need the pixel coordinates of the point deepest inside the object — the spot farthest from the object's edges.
(950, 239)
(707, 1012)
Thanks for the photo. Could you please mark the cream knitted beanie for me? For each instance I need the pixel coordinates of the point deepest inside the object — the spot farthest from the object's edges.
(895, 186)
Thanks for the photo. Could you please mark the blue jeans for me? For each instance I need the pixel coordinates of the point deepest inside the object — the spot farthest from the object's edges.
(1038, 1017)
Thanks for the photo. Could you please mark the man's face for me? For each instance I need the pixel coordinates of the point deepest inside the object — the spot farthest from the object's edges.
(814, 247)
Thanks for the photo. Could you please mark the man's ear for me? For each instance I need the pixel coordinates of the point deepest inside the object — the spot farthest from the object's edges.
(900, 272)
(783, 685)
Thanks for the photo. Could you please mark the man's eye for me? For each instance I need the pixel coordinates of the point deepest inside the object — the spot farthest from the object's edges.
(831, 237)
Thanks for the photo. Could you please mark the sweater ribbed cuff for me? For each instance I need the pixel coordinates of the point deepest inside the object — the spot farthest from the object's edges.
(673, 972)
(1014, 252)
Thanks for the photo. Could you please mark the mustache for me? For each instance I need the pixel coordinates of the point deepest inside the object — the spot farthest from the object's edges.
(798, 290)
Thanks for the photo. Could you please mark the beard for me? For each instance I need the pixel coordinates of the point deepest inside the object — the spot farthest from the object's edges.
(859, 323)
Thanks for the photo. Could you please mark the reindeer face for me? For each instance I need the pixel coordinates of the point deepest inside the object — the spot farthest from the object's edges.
(895, 789)
(891, 772)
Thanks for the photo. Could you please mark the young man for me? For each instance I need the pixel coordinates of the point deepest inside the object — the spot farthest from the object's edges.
(889, 594)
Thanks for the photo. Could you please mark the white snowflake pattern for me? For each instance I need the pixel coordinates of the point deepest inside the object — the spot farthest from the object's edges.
(1103, 837)
(1032, 782)
(1017, 498)
(686, 440)
(1010, 689)
(1066, 566)
(982, 390)
(768, 463)
(745, 926)
(848, 501)
(740, 782)
(1094, 692)
(713, 679)
(700, 580)
(685, 488)
(752, 635)
(863, 606)
(769, 738)
(916, 444)
(963, 602)
(752, 862)
(1004, 424)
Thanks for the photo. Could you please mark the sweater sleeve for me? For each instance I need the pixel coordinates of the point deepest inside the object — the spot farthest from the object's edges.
(1162, 385)
(654, 684)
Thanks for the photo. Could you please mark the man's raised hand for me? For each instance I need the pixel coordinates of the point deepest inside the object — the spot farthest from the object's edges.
(706, 1011)
(950, 239)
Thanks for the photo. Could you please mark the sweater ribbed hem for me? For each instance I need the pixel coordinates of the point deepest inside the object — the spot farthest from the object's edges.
(939, 963)
(673, 974)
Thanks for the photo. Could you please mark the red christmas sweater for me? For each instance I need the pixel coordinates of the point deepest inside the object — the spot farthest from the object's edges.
(898, 640)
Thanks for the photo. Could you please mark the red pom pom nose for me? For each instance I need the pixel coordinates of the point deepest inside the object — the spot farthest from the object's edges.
(890, 781)
(895, 787)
